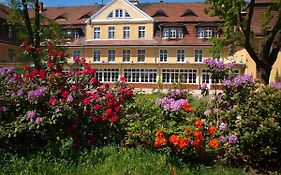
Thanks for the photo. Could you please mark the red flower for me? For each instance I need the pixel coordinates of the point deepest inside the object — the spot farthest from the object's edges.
(117, 108)
(174, 139)
(159, 133)
(106, 86)
(104, 117)
(38, 50)
(27, 49)
(73, 88)
(197, 144)
(93, 81)
(109, 111)
(198, 123)
(186, 107)
(50, 65)
(212, 130)
(114, 119)
(96, 107)
(60, 53)
(214, 143)
(52, 101)
(72, 128)
(198, 135)
(65, 94)
(94, 118)
(109, 95)
(34, 72)
(50, 47)
(123, 79)
(183, 143)
(26, 67)
(19, 77)
(86, 101)
(24, 43)
(42, 73)
(160, 142)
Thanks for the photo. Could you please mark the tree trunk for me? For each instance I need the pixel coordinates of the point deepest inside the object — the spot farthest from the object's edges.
(263, 72)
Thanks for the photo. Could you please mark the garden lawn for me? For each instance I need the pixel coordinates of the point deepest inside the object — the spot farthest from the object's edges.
(106, 161)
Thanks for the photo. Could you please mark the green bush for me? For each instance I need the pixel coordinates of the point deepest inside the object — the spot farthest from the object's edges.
(256, 122)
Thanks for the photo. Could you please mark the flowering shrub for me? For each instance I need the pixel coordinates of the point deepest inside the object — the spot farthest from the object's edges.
(46, 103)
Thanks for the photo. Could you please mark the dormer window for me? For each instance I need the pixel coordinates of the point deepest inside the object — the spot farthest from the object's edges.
(110, 15)
(207, 32)
(172, 32)
(118, 13)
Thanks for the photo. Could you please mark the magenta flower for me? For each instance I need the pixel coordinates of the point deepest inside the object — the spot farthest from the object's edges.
(38, 120)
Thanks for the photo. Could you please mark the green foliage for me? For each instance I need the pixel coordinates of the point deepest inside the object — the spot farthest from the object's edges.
(256, 122)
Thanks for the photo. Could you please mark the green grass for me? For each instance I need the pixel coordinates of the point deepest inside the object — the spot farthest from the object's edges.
(107, 161)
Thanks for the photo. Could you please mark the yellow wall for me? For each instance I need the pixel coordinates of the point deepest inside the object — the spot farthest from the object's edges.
(251, 65)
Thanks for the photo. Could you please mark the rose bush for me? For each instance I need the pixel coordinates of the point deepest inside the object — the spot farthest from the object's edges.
(45, 104)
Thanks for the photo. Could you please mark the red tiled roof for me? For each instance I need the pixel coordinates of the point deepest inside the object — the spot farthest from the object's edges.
(4, 11)
(174, 12)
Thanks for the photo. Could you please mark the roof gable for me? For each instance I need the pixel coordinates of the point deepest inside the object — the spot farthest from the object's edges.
(129, 13)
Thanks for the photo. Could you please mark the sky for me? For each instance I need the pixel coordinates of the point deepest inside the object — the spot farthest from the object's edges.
(52, 3)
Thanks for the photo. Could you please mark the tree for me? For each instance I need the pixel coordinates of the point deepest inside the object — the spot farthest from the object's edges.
(237, 31)
(32, 26)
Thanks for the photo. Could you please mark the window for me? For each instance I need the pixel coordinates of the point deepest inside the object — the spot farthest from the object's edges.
(126, 32)
(200, 33)
(165, 33)
(141, 55)
(180, 33)
(141, 75)
(75, 34)
(180, 56)
(118, 13)
(96, 55)
(141, 31)
(11, 54)
(126, 56)
(206, 76)
(110, 15)
(111, 32)
(111, 56)
(179, 76)
(10, 32)
(192, 76)
(198, 56)
(127, 15)
(163, 55)
(208, 33)
(96, 32)
(173, 32)
(72, 33)
(107, 75)
(76, 54)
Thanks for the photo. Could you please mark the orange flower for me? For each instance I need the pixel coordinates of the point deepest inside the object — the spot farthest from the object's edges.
(197, 144)
(187, 131)
(174, 139)
(183, 143)
(198, 123)
(212, 130)
(214, 143)
(198, 135)
(160, 142)
(159, 133)
(186, 107)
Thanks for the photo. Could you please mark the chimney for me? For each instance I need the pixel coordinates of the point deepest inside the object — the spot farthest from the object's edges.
(41, 7)
(135, 2)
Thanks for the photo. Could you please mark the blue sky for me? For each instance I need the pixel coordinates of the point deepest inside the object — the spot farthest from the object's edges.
(92, 2)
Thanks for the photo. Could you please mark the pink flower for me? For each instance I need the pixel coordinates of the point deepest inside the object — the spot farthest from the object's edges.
(96, 107)
(38, 120)
(114, 119)
(65, 94)
(94, 118)
(52, 101)
(86, 101)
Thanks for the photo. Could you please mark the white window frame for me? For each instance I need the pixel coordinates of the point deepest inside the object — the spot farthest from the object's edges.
(208, 32)
(119, 13)
(200, 32)
(198, 55)
(181, 56)
(173, 32)
(165, 32)
(163, 55)
(96, 32)
(10, 32)
(107, 75)
(205, 76)
(111, 32)
(127, 14)
(141, 55)
(126, 32)
(126, 56)
(141, 75)
(180, 33)
(111, 56)
(96, 56)
(141, 32)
